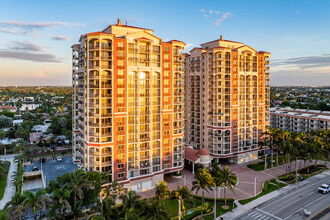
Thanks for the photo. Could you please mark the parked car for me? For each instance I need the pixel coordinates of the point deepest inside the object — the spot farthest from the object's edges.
(324, 188)
(59, 159)
(35, 168)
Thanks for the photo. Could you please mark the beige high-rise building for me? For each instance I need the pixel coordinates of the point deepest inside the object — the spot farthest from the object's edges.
(128, 105)
(227, 99)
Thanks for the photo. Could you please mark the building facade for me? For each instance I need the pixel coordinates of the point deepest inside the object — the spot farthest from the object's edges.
(227, 101)
(299, 120)
(128, 105)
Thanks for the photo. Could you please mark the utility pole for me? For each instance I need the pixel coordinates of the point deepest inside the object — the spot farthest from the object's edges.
(255, 186)
(179, 208)
(296, 169)
(215, 203)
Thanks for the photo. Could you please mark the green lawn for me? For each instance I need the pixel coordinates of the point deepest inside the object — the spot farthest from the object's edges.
(3, 214)
(259, 166)
(271, 188)
(172, 206)
(220, 211)
(3, 179)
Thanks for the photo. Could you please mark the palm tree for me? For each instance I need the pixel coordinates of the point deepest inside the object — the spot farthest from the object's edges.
(204, 181)
(162, 191)
(15, 206)
(226, 179)
(183, 195)
(78, 182)
(153, 211)
(2, 136)
(35, 200)
(106, 210)
(60, 201)
(272, 133)
(17, 179)
(131, 203)
(263, 144)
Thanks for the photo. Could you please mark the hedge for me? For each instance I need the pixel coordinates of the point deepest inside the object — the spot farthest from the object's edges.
(265, 188)
(212, 199)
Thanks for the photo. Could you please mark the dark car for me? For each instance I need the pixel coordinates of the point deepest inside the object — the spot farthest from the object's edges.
(35, 168)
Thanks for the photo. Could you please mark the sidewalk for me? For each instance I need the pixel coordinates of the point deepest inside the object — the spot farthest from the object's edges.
(10, 190)
(241, 209)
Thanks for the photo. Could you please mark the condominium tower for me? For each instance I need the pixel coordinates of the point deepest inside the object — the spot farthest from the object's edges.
(128, 104)
(227, 101)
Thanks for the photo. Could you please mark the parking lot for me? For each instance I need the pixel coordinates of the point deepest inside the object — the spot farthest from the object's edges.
(53, 168)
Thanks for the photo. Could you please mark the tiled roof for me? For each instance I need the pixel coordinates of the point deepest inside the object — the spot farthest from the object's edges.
(191, 154)
(7, 107)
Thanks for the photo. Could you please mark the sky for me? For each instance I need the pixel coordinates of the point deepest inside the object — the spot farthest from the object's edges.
(36, 36)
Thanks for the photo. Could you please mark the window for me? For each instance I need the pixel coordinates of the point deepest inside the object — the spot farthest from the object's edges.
(120, 62)
(120, 100)
(120, 128)
(120, 44)
(120, 156)
(120, 82)
(120, 72)
(121, 175)
(166, 82)
(120, 138)
(120, 91)
(166, 49)
(121, 147)
(120, 165)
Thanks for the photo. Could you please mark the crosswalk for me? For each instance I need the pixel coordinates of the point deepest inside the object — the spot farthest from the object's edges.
(259, 215)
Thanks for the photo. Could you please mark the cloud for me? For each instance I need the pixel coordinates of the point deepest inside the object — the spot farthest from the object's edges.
(35, 25)
(203, 10)
(25, 46)
(189, 45)
(222, 18)
(298, 12)
(60, 38)
(36, 57)
(8, 31)
(304, 62)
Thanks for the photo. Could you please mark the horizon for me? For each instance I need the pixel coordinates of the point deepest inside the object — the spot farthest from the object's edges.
(36, 38)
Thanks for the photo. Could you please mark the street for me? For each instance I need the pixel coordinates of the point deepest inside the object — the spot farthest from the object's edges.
(292, 204)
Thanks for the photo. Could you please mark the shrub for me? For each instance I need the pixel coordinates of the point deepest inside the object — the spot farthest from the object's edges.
(273, 181)
(265, 188)
(287, 177)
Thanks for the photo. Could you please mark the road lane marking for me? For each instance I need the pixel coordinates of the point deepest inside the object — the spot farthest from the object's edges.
(294, 201)
(315, 183)
(310, 193)
(304, 207)
(257, 216)
(267, 213)
(262, 217)
(254, 214)
(251, 213)
(266, 218)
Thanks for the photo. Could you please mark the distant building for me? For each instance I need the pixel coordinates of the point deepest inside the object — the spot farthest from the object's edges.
(299, 120)
(28, 99)
(40, 128)
(8, 108)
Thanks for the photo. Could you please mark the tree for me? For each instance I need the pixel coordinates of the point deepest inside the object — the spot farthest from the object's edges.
(131, 203)
(105, 210)
(5, 121)
(226, 179)
(15, 206)
(35, 200)
(60, 201)
(154, 211)
(262, 145)
(19, 106)
(162, 191)
(183, 195)
(273, 134)
(204, 181)
(2, 136)
(76, 185)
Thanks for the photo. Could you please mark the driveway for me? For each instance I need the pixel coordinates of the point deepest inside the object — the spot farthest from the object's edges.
(250, 182)
(10, 190)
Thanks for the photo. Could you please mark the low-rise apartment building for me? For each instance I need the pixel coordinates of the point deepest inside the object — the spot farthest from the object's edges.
(299, 120)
